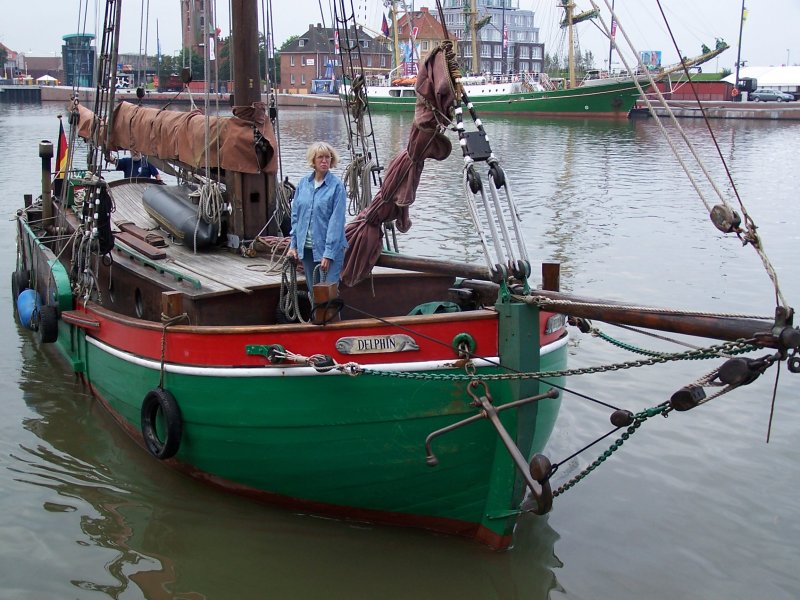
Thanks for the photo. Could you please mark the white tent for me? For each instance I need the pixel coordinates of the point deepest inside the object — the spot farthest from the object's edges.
(783, 78)
(46, 80)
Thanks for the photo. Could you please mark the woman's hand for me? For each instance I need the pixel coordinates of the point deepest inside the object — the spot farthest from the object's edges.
(292, 253)
(325, 264)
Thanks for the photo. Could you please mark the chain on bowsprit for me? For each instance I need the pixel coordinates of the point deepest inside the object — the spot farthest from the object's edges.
(498, 215)
(734, 373)
(620, 418)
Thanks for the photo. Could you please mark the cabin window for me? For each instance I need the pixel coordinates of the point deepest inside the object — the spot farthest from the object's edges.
(409, 93)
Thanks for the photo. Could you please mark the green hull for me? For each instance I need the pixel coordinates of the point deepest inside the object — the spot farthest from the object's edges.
(606, 100)
(347, 446)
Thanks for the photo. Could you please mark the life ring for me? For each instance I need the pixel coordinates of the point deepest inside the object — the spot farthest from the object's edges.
(160, 411)
(734, 92)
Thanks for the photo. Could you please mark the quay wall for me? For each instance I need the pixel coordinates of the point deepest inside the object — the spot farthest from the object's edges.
(715, 109)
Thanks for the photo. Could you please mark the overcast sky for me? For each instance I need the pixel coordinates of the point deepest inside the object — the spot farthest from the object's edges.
(770, 32)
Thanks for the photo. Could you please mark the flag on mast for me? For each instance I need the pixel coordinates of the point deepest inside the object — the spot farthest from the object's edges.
(385, 27)
(62, 152)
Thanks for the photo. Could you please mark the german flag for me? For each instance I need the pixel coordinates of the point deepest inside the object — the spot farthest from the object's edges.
(61, 160)
(62, 152)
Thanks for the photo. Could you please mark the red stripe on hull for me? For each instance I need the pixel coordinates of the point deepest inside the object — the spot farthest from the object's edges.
(225, 346)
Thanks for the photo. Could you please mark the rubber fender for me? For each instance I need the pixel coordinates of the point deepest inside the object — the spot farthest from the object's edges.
(20, 281)
(28, 303)
(47, 324)
(161, 413)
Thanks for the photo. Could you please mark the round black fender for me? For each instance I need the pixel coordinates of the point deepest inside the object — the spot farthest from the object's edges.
(20, 280)
(161, 413)
(47, 327)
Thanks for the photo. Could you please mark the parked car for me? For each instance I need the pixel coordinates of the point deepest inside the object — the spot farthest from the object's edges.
(763, 95)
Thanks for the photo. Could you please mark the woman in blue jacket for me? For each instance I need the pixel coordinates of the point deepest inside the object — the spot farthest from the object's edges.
(318, 217)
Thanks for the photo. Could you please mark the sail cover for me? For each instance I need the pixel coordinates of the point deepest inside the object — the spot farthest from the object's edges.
(436, 96)
(172, 135)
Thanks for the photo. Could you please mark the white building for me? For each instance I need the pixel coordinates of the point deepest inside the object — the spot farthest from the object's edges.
(785, 79)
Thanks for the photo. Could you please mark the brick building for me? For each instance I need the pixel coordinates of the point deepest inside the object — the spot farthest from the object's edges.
(311, 63)
(429, 31)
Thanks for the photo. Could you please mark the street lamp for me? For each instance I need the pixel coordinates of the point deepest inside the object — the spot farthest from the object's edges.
(787, 57)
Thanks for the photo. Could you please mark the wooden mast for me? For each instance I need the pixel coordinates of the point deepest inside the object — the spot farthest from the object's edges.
(250, 197)
(396, 34)
(569, 6)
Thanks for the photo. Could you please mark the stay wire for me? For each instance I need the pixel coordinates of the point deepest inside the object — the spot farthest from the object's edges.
(751, 234)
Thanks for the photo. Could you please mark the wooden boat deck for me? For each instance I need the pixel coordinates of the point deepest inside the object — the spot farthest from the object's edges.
(218, 270)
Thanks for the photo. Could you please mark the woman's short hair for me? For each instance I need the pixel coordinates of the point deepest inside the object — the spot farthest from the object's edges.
(317, 148)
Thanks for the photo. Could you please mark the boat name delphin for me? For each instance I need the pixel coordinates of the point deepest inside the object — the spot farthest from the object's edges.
(376, 343)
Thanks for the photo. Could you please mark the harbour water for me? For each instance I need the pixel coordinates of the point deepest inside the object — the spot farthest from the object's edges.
(697, 505)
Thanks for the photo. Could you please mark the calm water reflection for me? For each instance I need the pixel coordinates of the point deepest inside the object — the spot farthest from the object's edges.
(696, 505)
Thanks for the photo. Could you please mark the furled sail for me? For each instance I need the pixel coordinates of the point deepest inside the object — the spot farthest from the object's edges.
(436, 96)
(172, 135)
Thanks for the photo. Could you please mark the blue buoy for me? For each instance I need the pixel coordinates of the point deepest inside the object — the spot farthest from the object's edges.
(28, 302)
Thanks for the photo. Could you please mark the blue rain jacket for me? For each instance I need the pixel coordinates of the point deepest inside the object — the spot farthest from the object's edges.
(323, 209)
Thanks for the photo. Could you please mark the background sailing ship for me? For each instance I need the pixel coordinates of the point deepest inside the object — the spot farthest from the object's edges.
(598, 94)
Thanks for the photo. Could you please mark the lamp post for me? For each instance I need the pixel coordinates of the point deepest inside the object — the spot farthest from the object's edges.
(787, 56)
(738, 97)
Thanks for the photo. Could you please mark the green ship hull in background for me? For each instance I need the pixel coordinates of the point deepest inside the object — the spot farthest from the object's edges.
(605, 100)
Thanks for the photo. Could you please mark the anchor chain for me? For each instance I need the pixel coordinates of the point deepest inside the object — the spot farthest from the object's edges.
(638, 420)
(698, 354)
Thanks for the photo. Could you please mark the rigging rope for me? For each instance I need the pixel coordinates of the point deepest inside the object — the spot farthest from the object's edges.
(750, 235)
(358, 183)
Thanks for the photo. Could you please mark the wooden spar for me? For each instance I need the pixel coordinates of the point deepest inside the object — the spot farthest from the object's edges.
(252, 195)
(429, 265)
(714, 327)
(598, 309)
